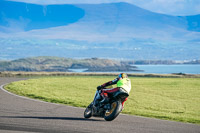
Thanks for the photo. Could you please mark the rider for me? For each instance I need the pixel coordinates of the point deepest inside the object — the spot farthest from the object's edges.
(123, 83)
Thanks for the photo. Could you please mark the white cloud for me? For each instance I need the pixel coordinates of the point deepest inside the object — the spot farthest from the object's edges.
(172, 7)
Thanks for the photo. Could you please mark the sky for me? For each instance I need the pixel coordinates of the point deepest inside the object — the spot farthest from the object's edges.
(94, 29)
(170, 7)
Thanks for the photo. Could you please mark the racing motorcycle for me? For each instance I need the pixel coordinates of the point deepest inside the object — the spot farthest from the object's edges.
(109, 110)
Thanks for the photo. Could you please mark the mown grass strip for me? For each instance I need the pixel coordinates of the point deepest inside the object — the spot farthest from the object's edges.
(164, 98)
(39, 74)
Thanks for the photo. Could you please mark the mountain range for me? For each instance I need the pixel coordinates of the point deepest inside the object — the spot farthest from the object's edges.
(110, 30)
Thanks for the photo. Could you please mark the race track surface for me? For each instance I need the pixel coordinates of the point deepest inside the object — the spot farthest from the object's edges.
(19, 115)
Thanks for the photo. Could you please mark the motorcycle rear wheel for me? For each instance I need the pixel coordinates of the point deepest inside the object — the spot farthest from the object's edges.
(114, 111)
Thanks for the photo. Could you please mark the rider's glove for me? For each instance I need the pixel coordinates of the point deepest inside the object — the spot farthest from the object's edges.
(99, 87)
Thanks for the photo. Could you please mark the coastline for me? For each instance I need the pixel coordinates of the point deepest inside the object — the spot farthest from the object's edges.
(30, 74)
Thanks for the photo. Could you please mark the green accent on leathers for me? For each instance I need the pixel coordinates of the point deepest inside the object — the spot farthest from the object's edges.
(124, 83)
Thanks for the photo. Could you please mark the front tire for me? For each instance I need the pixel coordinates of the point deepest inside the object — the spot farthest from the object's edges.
(88, 112)
(116, 108)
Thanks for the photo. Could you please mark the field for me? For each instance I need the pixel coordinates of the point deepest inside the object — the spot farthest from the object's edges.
(164, 98)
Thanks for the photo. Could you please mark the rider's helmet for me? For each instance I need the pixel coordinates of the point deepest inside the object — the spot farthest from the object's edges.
(123, 75)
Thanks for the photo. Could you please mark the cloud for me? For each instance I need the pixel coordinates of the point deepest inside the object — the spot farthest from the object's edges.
(175, 7)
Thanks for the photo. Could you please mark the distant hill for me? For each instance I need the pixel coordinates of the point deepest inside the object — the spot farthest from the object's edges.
(65, 65)
(112, 30)
(26, 17)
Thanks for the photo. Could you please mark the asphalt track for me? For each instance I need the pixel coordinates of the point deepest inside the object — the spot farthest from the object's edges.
(20, 115)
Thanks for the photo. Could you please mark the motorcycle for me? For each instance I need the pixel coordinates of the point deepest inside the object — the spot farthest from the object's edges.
(109, 110)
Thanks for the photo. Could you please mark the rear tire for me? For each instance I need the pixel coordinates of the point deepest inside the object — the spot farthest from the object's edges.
(116, 108)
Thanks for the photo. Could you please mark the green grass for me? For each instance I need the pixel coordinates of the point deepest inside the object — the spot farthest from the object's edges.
(175, 99)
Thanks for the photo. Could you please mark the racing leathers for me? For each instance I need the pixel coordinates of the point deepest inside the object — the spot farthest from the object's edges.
(122, 83)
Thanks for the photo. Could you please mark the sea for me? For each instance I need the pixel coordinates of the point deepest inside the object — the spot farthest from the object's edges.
(168, 69)
(161, 69)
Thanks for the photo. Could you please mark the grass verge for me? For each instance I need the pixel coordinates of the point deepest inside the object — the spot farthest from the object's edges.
(164, 98)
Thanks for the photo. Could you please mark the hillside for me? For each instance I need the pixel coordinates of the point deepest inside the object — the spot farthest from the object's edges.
(64, 65)
(110, 30)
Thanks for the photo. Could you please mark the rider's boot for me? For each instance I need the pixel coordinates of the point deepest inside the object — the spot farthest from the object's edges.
(123, 103)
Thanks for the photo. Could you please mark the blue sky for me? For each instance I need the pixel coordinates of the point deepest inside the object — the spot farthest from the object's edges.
(102, 26)
(170, 7)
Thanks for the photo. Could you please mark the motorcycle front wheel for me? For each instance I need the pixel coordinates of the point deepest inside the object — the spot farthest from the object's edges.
(111, 114)
(88, 112)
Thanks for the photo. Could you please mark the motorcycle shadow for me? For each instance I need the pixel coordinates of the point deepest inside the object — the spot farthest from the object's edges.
(53, 118)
